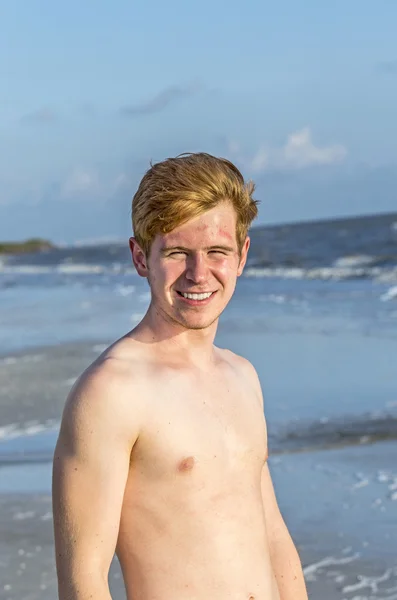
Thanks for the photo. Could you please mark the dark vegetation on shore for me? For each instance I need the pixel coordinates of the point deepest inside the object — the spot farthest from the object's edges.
(32, 245)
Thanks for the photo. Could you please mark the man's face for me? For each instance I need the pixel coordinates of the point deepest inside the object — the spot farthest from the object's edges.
(192, 270)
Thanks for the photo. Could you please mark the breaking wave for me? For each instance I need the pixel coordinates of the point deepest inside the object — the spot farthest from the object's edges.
(344, 269)
(329, 433)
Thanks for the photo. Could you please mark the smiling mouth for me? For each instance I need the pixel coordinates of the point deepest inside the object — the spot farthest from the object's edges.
(192, 296)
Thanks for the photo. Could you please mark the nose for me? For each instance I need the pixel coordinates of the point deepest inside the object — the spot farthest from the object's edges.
(197, 269)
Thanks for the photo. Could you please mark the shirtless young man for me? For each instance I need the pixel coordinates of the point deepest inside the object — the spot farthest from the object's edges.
(162, 451)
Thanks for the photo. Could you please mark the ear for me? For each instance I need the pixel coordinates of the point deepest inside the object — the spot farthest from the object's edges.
(243, 256)
(138, 258)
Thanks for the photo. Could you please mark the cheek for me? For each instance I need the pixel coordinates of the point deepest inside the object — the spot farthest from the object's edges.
(172, 273)
(227, 268)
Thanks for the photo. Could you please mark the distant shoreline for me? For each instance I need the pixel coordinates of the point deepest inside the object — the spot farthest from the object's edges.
(31, 245)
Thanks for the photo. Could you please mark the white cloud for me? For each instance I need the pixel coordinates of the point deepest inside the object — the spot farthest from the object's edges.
(88, 183)
(81, 181)
(121, 182)
(261, 160)
(298, 152)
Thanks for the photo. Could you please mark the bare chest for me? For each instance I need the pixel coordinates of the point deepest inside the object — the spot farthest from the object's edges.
(202, 432)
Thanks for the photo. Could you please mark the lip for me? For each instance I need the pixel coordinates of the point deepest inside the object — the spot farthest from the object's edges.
(192, 302)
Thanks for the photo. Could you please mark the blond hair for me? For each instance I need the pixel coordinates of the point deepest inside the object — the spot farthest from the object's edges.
(178, 189)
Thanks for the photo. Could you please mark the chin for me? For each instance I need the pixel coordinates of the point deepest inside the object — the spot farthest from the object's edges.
(197, 324)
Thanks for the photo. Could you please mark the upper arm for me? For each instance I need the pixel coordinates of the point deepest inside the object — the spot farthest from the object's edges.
(276, 529)
(275, 525)
(90, 470)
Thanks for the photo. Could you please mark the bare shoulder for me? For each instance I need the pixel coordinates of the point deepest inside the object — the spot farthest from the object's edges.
(101, 422)
(109, 395)
(239, 363)
(244, 368)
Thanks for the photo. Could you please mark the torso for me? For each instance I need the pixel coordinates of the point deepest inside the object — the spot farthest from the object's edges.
(192, 523)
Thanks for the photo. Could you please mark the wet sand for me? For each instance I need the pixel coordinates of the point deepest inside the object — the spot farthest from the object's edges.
(27, 564)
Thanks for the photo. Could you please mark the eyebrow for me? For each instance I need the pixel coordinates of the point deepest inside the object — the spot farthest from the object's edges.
(183, 249)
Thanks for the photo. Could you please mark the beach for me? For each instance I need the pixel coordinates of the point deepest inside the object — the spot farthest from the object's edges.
(342, 512)
(323, 338)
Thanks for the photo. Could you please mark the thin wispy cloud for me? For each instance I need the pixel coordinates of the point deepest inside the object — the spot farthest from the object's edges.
(387, 67)
(121, 182)
(90, 183)
(41, 116)
(159, 102)
(81, 181)
(299, 152)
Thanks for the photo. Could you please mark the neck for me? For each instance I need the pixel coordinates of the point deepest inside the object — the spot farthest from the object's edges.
(190, 346)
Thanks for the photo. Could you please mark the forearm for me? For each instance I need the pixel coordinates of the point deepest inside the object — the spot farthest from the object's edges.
(288, 571)
(84, 589)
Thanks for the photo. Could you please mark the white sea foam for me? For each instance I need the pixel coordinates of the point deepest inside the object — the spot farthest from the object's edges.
(352, 267)
(368, 582)
(391, 294)
(277, 298)
(362, 482)
(388, 276)
(65, 268)
(8, 360)
(354, 261)
(383, 476)
(99, 348)
(26, 269)
(76, 268)
(46, 517)
(16, 430)
(327, 562)
(22, 516)
(69, 382)
(125, 290)
(29, 358)
(380, 274)
(282, 272)
(144, 297)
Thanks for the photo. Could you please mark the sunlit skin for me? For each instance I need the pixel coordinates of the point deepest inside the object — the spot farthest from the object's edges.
(162, 452)
(199, 256)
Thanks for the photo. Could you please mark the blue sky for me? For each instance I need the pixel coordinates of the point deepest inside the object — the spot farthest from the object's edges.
(301, 95)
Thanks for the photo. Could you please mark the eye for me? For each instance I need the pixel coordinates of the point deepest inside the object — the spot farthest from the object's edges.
(218, 252)
(177, 253)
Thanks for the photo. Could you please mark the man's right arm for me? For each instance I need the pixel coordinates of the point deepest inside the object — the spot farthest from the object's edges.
(99, 427)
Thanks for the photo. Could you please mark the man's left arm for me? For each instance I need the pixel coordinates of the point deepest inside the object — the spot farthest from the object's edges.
(283, 554)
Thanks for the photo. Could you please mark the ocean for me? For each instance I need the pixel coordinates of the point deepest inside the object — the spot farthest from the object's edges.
(315, 311)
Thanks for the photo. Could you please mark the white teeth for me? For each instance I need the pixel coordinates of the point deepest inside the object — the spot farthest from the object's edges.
(197, 296)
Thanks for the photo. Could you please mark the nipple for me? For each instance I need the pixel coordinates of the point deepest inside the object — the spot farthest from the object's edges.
(186, 464)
